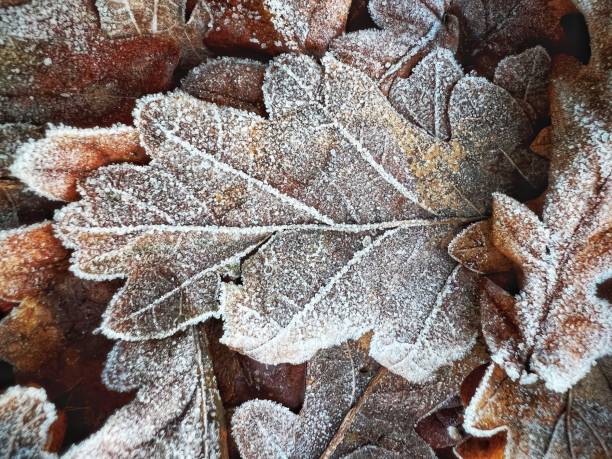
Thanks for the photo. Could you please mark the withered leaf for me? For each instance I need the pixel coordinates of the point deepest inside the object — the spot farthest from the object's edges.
(493, 29)
(177, 411)
(53, 165)
(410, 30)
(324, 261)
(57, 65)
(228, 81)
(26, 418)
(274, 26)
(21, 206)
(352, 408)
(542, 423)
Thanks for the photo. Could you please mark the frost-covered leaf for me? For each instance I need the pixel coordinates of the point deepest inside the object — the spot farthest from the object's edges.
(177, 411)
(276, 26)
(542, 423)
(526, 77)
(228, 81)
(493, 29)
(424, 96)
(324, 261)
(557, 326)
(26, 418)
(351, 407)
(57, 65)
(166, 18)
(12, 135)
(410, 30)
(53, 166)
(30, 257)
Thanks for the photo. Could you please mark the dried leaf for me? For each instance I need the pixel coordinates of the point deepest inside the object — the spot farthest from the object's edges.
(541, 423)
(55, 164)
(526, 77)
(493, 29)
(352, 408)
(57, 65)
(165, 18)
(324, 262)
(411, 29)
(274, 26)
(561, 325)
(26, 419)
(31, 259)
(228, 81)
(177, 410)
(542, 144)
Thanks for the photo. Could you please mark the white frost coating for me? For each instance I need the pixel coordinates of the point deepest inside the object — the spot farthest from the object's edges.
(289, 22)
(25, 419)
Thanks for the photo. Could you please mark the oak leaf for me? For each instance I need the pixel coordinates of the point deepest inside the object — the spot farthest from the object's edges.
(26, 420)
(542, 423)
(324, 262)
(177, 410)
(352, 408)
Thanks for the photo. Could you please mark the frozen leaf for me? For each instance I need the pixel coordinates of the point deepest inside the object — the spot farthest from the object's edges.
(322, 261)
(424, 96)
(493, 29)
(53, 166)
(12, 135)
(541, 423)
(228, 81)
(26, 419)
(165, 18)
(410, 30)
(30, 258)
(474, 249)
(351, 407)
(526, 77)
(557, 326)
(177, 411)
(276, 26)
(57, 65)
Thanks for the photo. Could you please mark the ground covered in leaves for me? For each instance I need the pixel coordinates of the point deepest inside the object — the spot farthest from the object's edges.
(305, 228)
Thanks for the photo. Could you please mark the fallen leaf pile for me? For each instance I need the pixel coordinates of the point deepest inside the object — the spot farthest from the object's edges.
(305, 229)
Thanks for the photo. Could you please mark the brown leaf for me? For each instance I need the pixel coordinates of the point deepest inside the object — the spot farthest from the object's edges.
(228, 81)
(352, 408)
(273, 27)
(542, 144)
(31, 259)
(54, 165)
(410, 30)
(542, 423)
(57, 65)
